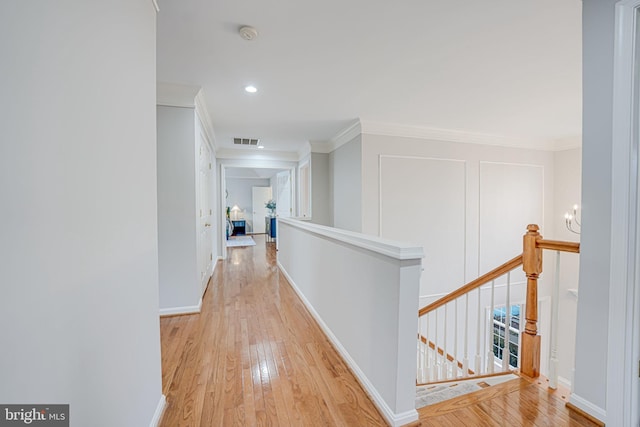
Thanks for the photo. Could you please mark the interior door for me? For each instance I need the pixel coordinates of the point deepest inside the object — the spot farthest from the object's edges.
(283, 206)
(260, 196)
(205, 201)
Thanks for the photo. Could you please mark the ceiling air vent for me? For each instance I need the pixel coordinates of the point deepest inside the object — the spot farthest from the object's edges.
(245, 141)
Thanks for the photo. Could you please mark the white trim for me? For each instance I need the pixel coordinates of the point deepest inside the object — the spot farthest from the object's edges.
(304, 151)
(394, 419)
(205, 118)
(622, 389)
(564, 382)
(172, 311)
(157, 415)
(176, 95)
(346, 135)
(452, 135)
(588, 407)
(390, 248)
(338, 140)
(155, 5)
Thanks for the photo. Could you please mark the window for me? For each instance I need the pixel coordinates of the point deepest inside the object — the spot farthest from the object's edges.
(499, 327)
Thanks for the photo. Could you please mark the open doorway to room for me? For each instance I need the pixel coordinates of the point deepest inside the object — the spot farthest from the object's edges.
(245, 193)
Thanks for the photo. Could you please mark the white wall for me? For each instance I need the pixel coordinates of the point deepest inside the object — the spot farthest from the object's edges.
(321, 195)
(177, 239)
(366, 302)
(345, 164)
(78, 253)
(567, 188)
(467, 204)
(240, 193)
(593, 314)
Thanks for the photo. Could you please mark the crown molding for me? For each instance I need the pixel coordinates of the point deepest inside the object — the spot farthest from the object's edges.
(205, 118)
(187, 96)
(176, 95)
(305, 151)
(323, 147)
(338, 140)
(452, 135)
(346, 135)
(447, 135)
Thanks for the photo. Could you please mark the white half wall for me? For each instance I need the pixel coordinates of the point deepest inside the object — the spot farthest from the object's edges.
(364, 295)
(79, 249)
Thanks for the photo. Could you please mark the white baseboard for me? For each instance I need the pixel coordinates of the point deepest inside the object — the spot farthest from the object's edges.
(588, 407)
(173, 311)
(564, 382)
(157, 415)
(394, 419)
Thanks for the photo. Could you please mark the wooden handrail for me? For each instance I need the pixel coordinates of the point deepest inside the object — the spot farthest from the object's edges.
(482, 280)
(558, 245)
(533, 245)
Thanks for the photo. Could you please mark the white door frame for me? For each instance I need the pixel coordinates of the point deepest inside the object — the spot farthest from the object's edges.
(247, 163)
(623, 354)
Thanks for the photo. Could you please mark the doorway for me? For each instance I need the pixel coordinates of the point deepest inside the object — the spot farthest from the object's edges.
(237, 179)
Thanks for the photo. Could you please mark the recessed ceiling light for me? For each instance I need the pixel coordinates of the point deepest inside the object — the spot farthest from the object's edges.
(251, 89)
(261, 146)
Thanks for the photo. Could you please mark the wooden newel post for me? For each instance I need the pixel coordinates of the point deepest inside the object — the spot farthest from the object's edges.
(532, 266)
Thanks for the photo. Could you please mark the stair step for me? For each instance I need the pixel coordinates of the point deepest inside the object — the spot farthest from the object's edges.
(436, 394)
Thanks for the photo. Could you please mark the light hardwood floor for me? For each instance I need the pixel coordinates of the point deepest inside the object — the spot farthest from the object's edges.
(255, 357)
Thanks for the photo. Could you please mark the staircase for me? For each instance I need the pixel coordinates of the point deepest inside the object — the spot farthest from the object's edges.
(488, 328)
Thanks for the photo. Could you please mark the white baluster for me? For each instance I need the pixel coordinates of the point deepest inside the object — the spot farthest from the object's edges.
(478, 364)
(553, 355)
(490, 355)
(421, 353)
(438, 373)
(505, 349)
(465, 360)
(427, 361)
(456, 370)
(444, 347)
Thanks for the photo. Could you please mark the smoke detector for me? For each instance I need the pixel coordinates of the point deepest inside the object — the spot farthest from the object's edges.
(248, 33)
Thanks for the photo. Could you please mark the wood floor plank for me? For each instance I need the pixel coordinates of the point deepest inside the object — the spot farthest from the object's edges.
(254, 356)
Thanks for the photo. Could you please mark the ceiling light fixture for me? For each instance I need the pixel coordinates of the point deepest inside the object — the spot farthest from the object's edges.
(251, 89)
(261, 146)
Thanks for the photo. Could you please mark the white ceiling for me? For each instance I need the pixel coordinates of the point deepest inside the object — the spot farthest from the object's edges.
(510, 68)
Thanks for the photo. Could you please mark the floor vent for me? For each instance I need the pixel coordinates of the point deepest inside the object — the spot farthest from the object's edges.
(245, 141)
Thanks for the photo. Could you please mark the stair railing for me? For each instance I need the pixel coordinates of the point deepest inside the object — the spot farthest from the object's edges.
(505, 333)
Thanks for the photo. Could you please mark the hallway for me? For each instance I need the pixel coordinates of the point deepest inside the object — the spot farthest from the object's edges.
(254, 356)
